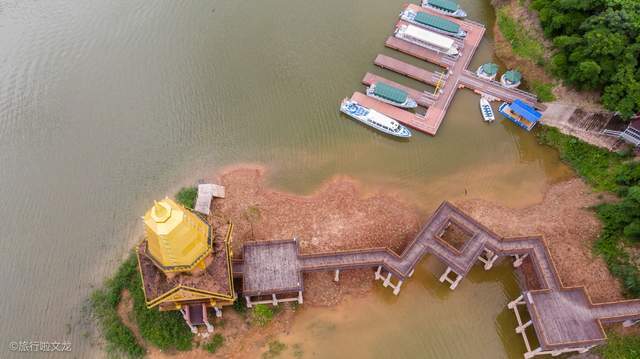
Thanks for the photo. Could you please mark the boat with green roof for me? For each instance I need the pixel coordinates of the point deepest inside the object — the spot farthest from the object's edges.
(391, 95)
(432, 22)
(445, 7)
(511, 79)
(487, 71)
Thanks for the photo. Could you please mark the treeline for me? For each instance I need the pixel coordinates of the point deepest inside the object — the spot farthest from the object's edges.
(598, 43)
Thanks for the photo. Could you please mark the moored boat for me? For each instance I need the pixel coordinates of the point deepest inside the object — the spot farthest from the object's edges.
(391, 95)
(486, 110)
(487, 71)
(520, 113)
(434, 23)
(374, 119)
(511, 79)
(445, 7)
(427, 39)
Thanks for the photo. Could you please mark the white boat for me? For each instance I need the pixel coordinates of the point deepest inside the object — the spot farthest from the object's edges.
(487, 71)
(511, 79)
(445, 7)
(374, 119)
(391, 95)
(427, 39)
(433, 23)
(486, 110)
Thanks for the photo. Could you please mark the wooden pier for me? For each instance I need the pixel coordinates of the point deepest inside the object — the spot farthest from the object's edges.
(457, 76)
(564, 319)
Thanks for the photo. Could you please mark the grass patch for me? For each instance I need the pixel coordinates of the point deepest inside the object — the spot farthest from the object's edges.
(543, 91)
(618, 173)
(597, 166)
(186, 196)
(261, 315)
(165, 330)
(214, 344)
(120, 341)
(240, 305)
(522, 43)
(275, 349)
(619, 347)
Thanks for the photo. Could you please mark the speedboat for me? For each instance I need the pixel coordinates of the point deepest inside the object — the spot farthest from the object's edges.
(374, 119)
(445, 7)
(391, 95)
(486, 110)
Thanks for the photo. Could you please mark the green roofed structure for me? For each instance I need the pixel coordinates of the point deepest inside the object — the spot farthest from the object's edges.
(390, 93)
(447, 5)
(437, 22)
(513, 76)
(490, 68)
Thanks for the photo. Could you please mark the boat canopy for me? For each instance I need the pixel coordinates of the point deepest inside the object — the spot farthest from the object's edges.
(437, 22)
(383, 120)
(446, 5)
(389, 92)
(490, 68)
(525, 111)
(429, 37)
(513, 76)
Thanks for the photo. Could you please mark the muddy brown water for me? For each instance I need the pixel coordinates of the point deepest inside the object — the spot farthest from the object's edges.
(106, 105)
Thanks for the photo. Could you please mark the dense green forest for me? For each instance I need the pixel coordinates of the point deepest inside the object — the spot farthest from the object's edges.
(598, 43)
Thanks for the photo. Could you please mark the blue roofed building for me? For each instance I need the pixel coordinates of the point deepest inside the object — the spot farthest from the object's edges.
(521, 114)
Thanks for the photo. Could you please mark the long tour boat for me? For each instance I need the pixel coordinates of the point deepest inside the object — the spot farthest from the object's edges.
(374, 119)
(427, 39)
(432, 22)
(391, 95)
(445, 7)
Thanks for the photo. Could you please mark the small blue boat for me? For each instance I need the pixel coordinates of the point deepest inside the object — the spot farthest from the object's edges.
(374, 119)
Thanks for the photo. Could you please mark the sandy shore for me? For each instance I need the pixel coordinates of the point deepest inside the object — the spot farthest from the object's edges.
(340, 216)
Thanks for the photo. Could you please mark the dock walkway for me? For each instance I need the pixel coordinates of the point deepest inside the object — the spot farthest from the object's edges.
(458, 76)
(564, 318)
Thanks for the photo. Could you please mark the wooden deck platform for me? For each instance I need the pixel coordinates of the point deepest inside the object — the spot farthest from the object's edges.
(563, 318)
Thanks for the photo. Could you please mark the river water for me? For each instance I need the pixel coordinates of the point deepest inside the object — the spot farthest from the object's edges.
(106, 105)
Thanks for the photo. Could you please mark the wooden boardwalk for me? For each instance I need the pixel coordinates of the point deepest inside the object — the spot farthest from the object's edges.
(457, 74)
(564, 319)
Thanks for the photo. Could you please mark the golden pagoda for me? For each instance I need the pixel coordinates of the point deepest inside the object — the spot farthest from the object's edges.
(182, 266)
(177, 238)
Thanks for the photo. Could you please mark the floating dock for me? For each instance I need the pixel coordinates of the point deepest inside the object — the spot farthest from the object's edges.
(457, 76)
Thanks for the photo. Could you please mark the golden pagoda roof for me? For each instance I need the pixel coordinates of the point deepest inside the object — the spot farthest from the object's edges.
(177, 239)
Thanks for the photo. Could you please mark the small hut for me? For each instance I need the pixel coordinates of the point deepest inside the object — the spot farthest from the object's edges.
(511, 79)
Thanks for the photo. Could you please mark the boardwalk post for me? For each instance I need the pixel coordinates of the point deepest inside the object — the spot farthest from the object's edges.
(396, 289)
(519, 259)
(300, 297)
(387, 280)
(274, 300)
(248, 300)
(377, 273)
(336, 277)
